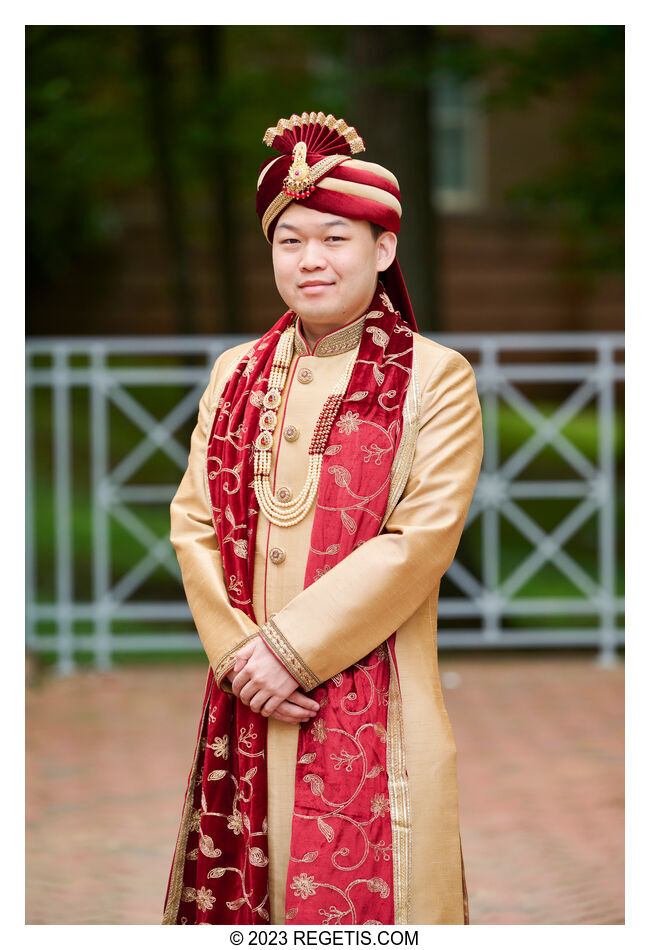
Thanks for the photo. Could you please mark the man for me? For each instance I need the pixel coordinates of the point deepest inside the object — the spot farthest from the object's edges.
(329, 478)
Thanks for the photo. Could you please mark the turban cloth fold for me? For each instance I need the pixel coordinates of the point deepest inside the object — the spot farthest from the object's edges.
(337, 183)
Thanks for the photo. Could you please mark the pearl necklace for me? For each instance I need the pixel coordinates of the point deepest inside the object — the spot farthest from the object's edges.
(286, 514)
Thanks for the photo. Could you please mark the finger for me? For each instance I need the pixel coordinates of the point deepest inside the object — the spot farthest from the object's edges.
(259, 699)
(271, 705)
(247, 692)
(307, 702)
(295, 718)
(295, 711)
(240, 681)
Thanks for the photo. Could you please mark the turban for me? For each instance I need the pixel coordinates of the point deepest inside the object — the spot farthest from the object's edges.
(316, 167)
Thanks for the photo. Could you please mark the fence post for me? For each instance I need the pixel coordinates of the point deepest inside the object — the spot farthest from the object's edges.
(607, 656)
(101, 540)
(63, 514)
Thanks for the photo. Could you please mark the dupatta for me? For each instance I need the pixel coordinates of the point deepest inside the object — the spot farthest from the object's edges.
(350, 835)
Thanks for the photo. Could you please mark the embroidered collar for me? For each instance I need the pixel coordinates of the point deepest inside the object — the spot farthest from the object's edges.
(336, 341)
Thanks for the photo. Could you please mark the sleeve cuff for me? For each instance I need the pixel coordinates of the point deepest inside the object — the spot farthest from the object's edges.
(292, 661)
(227, 662)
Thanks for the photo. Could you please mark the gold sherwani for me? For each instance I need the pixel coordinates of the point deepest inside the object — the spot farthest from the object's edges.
(389, 583)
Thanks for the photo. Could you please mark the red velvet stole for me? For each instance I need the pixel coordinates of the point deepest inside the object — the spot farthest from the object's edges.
(341, 867)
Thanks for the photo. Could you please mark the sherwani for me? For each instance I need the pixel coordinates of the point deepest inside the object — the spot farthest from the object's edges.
(388, 584)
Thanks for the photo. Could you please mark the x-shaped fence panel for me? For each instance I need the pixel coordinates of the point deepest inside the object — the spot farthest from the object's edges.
(102, 577)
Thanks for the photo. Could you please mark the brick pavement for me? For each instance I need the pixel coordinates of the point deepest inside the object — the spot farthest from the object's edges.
(541, 784)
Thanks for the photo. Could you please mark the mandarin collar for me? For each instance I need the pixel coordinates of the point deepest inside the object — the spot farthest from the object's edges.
(336, 341)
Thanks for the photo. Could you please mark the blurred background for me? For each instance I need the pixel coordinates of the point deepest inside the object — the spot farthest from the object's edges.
(145, 260)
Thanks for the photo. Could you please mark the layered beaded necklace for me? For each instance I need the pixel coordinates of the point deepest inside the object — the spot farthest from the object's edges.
(285, 514)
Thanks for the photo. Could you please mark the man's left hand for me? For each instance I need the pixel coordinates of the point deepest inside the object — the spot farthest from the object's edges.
(261, 680)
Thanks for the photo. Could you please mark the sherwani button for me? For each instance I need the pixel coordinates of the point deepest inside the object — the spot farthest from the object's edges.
(291, 433)
(305, 375)
(277, 555)
(284, 494)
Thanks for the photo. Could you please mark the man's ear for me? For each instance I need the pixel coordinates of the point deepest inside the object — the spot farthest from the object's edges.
(386, 248)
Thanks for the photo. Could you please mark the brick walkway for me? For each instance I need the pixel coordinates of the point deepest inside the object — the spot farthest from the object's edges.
(540, 762)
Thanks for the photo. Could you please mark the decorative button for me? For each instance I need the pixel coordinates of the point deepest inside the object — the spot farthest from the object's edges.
(277, 555)
(284, 494)
(291, 433)
(305, 375)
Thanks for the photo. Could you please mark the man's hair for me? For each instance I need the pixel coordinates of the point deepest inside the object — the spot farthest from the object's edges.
(375, 230)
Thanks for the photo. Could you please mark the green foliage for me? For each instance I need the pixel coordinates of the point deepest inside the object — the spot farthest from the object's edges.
(583, 194)
(81, 142)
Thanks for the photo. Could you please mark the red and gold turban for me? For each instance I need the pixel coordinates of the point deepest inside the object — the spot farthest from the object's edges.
(316, 167)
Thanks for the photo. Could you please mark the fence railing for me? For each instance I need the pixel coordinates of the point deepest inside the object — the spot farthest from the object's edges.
(102, 577)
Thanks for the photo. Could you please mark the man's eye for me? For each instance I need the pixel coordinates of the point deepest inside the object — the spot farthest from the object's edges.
(289, 241)
(335, 237)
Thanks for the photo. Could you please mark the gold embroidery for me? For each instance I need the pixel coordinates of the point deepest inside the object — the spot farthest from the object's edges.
(334, 343)
(319, 731)
(379, 805)
(303, 885)
(204, 899)
(275, 639)
(220, 746)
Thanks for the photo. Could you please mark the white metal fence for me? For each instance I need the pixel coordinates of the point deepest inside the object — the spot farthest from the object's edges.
(102, 577)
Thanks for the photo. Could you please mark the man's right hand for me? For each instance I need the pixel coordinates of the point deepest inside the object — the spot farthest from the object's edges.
(295, 709)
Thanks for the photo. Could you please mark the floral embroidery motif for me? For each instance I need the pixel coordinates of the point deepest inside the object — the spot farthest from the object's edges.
(379, 805)
(204, 899)
(348, 423)
(303, 886)
(235, 823)
(319, 731)
(220, 747)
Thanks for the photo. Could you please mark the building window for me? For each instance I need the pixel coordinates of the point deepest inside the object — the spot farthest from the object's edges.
(458, 143)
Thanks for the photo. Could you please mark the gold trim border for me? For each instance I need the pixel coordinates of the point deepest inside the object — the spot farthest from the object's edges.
(278, 643)
(403, 460)
(348, 132)
(170, 913)
(400, 806)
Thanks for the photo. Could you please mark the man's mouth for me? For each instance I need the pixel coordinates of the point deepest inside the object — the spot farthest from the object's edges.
(315, 283)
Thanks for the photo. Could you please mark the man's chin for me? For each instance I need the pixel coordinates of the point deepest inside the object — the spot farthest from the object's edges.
(322, 312)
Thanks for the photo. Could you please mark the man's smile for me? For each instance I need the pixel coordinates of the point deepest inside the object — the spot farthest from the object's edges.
(313, 287)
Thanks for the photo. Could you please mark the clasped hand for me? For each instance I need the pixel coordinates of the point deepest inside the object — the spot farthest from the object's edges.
(262, 682)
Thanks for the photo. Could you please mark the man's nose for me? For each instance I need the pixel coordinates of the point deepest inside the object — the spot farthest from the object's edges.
(312, 255)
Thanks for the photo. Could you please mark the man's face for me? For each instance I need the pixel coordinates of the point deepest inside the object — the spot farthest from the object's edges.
(326, 266)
